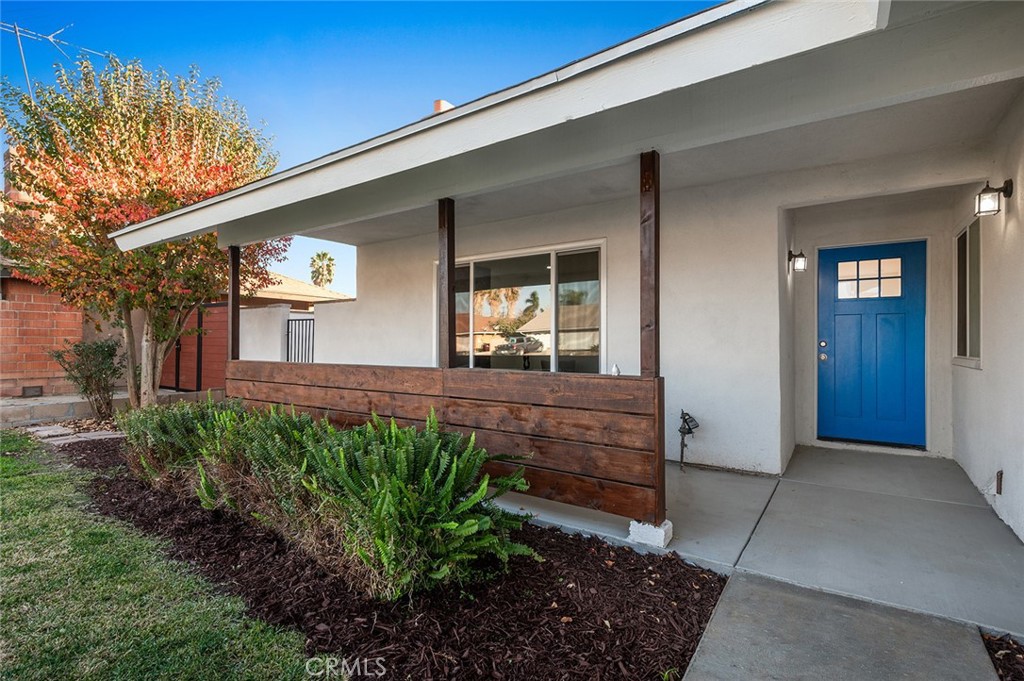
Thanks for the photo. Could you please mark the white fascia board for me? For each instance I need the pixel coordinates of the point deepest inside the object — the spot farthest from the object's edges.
(703, 47)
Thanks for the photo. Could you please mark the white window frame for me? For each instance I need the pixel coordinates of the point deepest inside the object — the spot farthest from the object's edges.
(552, 250)
(958, 359)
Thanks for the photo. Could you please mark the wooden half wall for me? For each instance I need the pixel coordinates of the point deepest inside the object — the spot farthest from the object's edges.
(595, 441)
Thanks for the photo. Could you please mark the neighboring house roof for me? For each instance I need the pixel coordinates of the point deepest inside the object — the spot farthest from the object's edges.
(295, 290)
(570, 318)
(7, 267)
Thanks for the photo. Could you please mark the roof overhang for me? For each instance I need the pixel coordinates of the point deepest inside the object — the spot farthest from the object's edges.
(440, 155)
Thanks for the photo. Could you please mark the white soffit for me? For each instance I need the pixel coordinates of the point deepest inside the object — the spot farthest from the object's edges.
(726, 39)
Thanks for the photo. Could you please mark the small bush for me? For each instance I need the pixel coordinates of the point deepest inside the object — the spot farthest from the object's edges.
(169, 439)
(95, 368)
(394, 510)
(419, 512)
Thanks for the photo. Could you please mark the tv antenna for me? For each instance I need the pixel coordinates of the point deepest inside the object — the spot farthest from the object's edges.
(21, 32)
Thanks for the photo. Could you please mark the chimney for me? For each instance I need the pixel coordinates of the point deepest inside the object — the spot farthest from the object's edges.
(442, 105)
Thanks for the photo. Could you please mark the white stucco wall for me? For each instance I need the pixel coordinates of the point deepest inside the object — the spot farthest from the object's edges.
(988, 403)
(264, 333)
(926, 216)
(393, 319)
(730, 321)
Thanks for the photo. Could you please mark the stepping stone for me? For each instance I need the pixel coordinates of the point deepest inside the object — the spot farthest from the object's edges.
(100, 435)
(766, 629)
(47, 432)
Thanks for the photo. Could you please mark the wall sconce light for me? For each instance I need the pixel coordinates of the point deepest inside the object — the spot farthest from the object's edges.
(798, 261)
(989, 200)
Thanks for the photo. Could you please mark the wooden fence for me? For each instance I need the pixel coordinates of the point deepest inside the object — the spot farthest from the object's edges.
(596, 441)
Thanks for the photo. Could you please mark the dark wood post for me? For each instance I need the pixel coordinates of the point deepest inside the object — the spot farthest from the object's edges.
(446, 283)
(234, 289)
(650, 279)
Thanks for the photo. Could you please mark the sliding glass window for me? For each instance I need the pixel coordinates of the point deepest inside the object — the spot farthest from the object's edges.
(507, 317)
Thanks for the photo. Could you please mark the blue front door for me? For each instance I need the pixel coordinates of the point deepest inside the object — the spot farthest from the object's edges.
(871, 343)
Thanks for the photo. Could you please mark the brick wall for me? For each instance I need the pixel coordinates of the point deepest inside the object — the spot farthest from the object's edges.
(33, 322)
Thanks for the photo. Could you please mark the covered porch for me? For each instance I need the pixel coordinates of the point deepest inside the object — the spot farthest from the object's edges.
(759, 155)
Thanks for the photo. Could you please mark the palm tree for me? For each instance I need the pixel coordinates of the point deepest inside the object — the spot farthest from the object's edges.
(321, 269)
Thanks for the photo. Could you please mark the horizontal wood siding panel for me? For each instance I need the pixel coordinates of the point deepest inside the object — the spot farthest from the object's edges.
(340, 419)
(415, 407)
(623, 465)
(593, 441)
(594, 427)
(632, 501)
(408, 380)
(579, 391)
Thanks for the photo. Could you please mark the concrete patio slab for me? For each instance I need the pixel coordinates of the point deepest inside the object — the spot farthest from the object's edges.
(714, 513)
(946, 559)
(764, 629)
(918, 477)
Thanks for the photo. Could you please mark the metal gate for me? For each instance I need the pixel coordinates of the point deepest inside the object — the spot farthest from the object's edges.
(300, 340)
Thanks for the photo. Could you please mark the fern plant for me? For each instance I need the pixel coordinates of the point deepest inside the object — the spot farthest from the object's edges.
(419, 512)
(398, 510)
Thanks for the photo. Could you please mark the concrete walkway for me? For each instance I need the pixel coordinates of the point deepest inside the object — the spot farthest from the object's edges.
(25, 411)
(850, 559)
(766, 629)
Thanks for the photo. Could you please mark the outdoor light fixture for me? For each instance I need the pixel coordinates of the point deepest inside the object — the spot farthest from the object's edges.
(989, 200)
(798, 261)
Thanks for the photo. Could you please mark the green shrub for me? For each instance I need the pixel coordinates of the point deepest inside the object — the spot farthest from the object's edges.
(95, 368)
(419, 514)
(393, 510)
(170, 439)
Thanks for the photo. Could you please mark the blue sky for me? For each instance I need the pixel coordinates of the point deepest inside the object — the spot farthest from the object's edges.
(324, 75)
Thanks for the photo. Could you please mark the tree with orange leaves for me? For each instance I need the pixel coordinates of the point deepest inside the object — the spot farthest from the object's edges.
(103, 149)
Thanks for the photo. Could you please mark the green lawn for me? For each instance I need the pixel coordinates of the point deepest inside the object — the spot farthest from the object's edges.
(84, 596)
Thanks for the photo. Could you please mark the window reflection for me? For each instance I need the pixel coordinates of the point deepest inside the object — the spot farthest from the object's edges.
(579, 312)
(508, 295)
(507, 317)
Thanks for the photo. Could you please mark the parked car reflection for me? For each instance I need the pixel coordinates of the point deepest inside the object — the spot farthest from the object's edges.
(519, 345)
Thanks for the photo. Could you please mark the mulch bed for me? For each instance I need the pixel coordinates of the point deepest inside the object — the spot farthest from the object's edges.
(1007, 655)
(96, 455)
(590, 610)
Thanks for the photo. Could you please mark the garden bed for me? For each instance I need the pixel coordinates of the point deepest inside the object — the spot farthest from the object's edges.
(1007, 656)
(589, 610)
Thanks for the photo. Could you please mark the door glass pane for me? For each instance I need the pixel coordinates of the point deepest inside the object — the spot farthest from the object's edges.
(868, 288)
(892, 288)
(510, 296)
(579, 312)
(847, 270)
(868, 269)
(892, 267)
(847, 289)
(462, 316)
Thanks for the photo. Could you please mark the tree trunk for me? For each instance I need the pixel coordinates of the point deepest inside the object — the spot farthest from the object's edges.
(134, 399)
(153, 353)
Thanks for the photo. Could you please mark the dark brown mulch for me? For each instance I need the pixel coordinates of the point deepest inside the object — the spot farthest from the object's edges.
(1007, 655)
(96, 455)
(589, 610)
